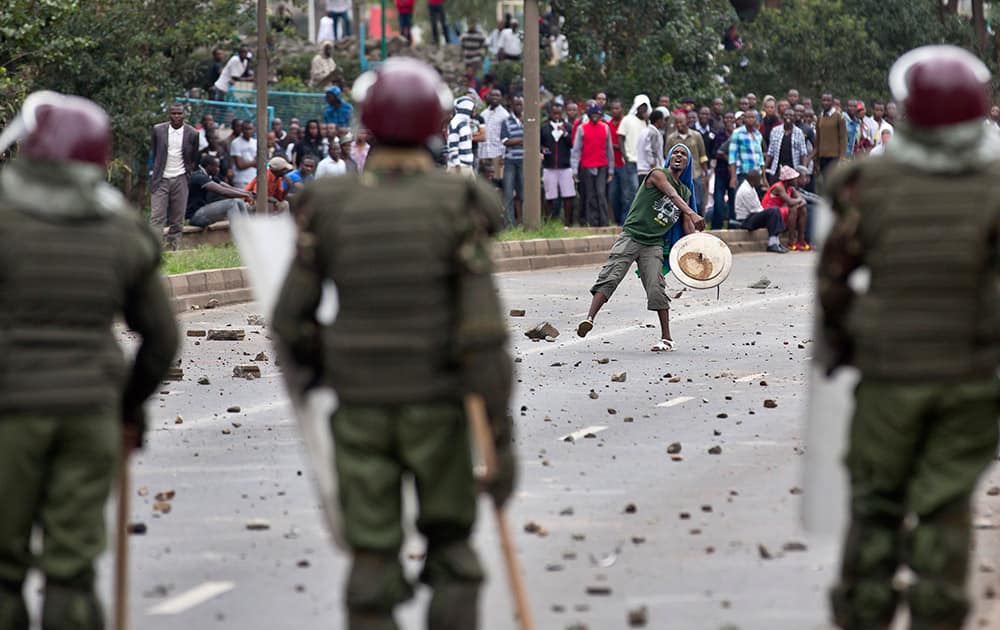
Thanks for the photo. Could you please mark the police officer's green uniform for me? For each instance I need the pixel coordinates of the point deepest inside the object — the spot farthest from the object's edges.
(926, 338)
(73, 257)
(419, 325)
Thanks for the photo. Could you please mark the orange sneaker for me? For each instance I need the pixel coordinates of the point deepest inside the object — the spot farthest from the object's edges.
(794, 247)
(806, 247)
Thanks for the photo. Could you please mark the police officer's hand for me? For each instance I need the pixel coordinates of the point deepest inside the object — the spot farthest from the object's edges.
(501, 487)
(131, 438)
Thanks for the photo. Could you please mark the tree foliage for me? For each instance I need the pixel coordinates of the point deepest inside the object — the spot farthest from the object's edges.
(650, 46)
(812, 45)
(842, 46)
(131, 57)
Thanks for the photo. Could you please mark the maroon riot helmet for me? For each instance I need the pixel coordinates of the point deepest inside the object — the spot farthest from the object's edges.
(940, 86)
(53, 127)
(404, 102)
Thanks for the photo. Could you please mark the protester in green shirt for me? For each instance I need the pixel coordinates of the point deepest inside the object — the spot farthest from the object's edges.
(662, 201)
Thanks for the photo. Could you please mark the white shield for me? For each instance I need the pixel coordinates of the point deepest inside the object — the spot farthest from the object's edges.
(831, 405)
(267, 246)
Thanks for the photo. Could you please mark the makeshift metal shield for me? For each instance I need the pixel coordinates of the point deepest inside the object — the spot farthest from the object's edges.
(267, 246)
(831, 404)
(701, 260)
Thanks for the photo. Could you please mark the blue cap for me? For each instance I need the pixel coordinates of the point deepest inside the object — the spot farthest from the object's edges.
(333, 89)
(595, 108)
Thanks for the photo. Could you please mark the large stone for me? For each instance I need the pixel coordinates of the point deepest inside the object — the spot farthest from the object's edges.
(231, 334)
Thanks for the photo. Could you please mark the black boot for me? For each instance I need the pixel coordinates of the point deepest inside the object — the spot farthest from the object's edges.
(13, 612)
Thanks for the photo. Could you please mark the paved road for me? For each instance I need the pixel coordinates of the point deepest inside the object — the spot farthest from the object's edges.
(690, 551)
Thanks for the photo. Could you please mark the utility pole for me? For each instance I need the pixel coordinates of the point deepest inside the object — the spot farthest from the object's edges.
(261, 75)
(531, 205)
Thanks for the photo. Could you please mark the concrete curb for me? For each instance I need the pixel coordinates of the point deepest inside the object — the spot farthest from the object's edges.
(217, 287)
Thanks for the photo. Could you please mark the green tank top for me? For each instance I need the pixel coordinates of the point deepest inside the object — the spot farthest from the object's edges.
(652, 213)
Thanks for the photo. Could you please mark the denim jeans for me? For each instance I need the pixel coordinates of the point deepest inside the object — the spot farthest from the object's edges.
(513, 182)
(724, 210)
(630, 184)
(343, 16)
(405, 22)
(437, 19)
(616, 195)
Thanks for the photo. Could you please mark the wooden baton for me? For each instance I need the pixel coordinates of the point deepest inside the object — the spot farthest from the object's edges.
(475, 410)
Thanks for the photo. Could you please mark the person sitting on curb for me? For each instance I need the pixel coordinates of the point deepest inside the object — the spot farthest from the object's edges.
(752, 215)
(662, 202)
(277, 185)
(210, 199)
(782, 195)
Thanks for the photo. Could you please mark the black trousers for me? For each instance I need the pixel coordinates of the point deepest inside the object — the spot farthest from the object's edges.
(595, 190)
(769, 218)
(437, 18)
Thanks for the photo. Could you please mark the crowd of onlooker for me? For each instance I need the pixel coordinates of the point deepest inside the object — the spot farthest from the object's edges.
(596, 152)
(755, 161)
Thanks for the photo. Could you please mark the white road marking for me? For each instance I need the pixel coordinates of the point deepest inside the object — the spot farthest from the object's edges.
(750, 377)
(577, 435)
(673, 402)
(189, 599)
(707, 312)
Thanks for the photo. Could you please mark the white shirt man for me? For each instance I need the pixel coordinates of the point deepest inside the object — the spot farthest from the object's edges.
(632, 128)
(175, 161)
(747, 201)
(510, 42)
(494, 118)
(246, 149)
(328, 167)
(234, 69)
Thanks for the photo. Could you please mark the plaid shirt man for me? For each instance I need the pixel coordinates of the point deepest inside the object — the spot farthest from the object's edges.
(799, 152)
(746, 150)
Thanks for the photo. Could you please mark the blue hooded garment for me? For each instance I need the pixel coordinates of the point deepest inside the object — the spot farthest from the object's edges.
(676, 233)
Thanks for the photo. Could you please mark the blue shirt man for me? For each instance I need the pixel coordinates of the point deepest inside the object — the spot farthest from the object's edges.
(337, 111)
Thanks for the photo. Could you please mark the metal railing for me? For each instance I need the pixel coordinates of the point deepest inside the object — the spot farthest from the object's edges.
(224, 112)
(286, 105)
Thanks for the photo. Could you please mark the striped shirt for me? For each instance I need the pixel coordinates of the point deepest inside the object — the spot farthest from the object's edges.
(745, 151)
(460, 141)
(513, 129)
(472, 43)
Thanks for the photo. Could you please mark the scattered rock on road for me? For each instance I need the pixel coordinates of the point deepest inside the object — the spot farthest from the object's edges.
(638, 617)
(517, 312)
(258, 524)
(255, 320)
(233, 334)
(542, 331)
(195, 332)
(261, 356)
(136, 529)
(233, 409)
(763, 283)
(674, 448)
(174, 374)
(619, 378)
(246, 371)
(770, 404)
(715, 450)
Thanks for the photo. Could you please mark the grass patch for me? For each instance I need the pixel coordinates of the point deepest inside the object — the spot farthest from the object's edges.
(548, 229)
(201, 259)
(226, 256)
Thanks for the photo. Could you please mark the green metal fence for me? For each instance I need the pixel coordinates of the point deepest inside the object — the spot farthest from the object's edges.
(287, 105)
(224, 112)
